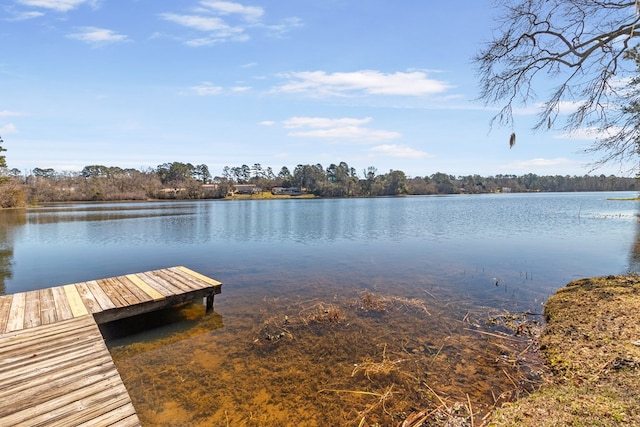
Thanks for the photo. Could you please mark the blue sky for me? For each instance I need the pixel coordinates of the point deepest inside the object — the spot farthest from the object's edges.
(138, 83)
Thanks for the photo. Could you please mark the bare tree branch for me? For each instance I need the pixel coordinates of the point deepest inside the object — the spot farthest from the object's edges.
(580, 47)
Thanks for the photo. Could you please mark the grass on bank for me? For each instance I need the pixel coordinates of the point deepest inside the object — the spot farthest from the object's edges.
(267, 195)
(592, 345)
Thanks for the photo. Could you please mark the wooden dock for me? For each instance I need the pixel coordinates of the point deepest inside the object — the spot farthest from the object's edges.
(55, 368)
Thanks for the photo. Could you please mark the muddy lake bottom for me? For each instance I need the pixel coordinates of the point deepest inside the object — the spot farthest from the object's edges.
(326, 355)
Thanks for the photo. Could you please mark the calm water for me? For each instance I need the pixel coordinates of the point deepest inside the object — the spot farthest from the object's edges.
(530, 243)
(381, 304)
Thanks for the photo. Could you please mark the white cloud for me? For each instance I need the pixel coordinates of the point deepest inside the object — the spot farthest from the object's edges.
(24, 16)
(369, 82)
(587, 134)
(249, 13)
(98, 36)
(57, 5)
(564, 108)
(240, 88)
(322, 122)
(403, 151)
(198, 22)
(224, 21)
(568, 107)
(7, 113)
(8, 128)
(527, 110)
(348, 132)
(345, 129)
(210, 41)
(287, 25)
(218, 29)
(206, 89)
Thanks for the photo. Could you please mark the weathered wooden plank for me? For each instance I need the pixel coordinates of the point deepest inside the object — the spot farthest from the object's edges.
(175, 287)
(129, 297)
(5, 307)
(66, 371)
(154, 277)
(13, 341)
(100, 295)
(17, 345)
(197, 275)
(13, 402)
(16, 315)
(198, 280)
(181, 287)
(63, 309)
(47, 307)
(69, 401)
(75, 302)
(134, 289)
(177, 276)
(46, 360)
(32, 351)
(40, 394)
(28, 349)
(145, 287)
(158, 285)
(121, 416)
(88, 299)
(112, 293)
(189, 283)
(9, 338)
(130, 421)
(102, 404)
(18, 348)
(32, 309)
(78, 384)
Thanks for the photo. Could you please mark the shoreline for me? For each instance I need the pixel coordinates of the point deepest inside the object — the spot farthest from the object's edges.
(591, 344)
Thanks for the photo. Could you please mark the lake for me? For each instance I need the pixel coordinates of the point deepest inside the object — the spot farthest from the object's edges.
(333, 311)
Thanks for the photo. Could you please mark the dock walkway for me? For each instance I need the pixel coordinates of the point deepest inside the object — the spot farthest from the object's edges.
(55, 368)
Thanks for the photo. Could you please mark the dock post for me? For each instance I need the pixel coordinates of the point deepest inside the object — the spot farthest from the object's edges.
(209, 302)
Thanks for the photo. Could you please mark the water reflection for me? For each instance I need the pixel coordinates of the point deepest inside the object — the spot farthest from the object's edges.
(161, 327)
(10, 220)
(104, 212)
(469, 240)
(634, 259)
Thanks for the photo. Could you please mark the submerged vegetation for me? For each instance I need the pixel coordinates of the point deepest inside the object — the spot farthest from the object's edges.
(373, 359)
(363, 359)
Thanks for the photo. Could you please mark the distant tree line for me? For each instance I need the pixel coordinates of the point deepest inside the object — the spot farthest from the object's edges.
(440, 183)
(187, 181)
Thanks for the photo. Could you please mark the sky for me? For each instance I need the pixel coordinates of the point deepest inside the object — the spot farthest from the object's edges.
(382, 83)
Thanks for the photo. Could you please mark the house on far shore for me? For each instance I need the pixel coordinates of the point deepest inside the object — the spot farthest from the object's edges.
(291, 191)
(246, 189)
